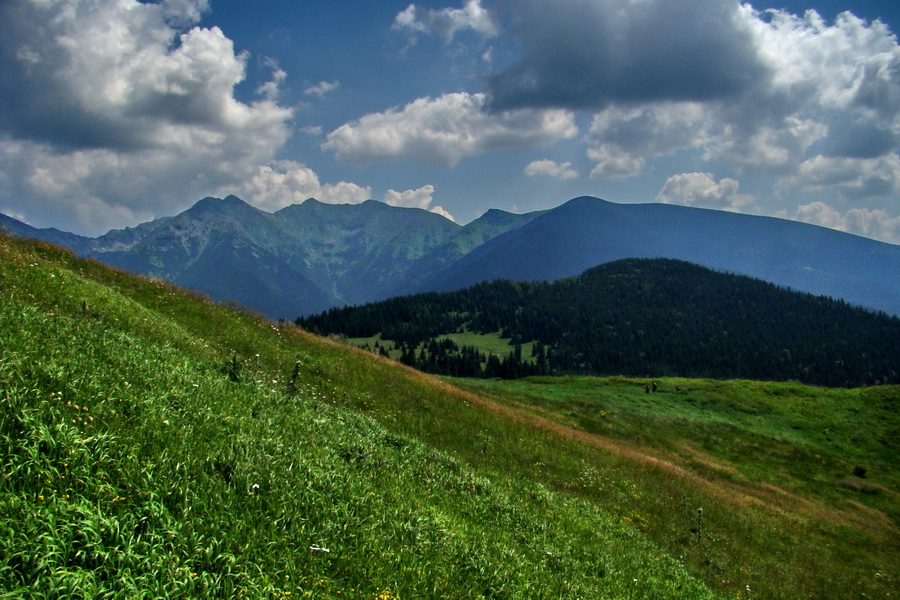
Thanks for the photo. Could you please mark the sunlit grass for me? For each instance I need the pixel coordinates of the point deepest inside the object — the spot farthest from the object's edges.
(485, 343)
(772, 466)
(157, 445)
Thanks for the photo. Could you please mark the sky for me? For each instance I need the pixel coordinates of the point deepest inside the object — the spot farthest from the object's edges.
(115, 112)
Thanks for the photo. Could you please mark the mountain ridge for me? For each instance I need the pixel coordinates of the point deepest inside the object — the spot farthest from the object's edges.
(308, 257)
(586, 232)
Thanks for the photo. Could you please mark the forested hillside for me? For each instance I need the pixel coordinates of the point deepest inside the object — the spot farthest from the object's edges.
(642, 317)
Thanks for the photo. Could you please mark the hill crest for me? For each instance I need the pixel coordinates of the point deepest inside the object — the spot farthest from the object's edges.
(633, 317)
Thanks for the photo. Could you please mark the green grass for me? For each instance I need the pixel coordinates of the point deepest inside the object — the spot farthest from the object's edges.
(154, 444)
(771, 464)
(487, 344)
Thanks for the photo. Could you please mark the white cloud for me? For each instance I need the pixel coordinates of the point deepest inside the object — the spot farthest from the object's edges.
(444, 130)
(322, 88)
(439, 210)
(271, 89)
(622, 139)
(420, 198)
(111, 109)
(832, 88)
(761, 92)
(655, 128)
(447, 21)
(876, 223)
(836, 86)
(614, 163)
(550, 168)
(852, 178)
(702, 190)
(285, 182)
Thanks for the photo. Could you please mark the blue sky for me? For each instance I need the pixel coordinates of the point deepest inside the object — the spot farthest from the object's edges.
(114, 112)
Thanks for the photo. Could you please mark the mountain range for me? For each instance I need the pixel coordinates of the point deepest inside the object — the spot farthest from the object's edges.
(308, 257)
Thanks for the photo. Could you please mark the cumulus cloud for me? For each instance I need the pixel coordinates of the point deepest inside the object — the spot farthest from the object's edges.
(286, 182)
(702, 190)
(420, 198)
(869, 223)
(111, 109)
(614, 163)
(549, 168)
(444, 130)
(764, 92)
(272, 88)
(833, 89)
(622, 138)
(852, 178)
(446, 21)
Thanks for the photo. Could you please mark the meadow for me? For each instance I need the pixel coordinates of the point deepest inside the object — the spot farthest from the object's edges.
(155, 444)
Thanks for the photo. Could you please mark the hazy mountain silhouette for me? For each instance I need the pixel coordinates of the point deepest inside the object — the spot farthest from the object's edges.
(307, 257)
(586, 232)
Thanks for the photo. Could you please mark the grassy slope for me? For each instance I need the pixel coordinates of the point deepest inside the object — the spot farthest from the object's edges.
(416, 488)
(130, 464)
(770, 464)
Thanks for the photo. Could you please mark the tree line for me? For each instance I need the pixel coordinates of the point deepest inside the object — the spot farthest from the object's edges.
(638, 317)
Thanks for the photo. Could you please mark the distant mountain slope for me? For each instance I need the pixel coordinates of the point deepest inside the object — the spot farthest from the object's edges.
(300, 260)
(587, 231)
(231, 251)
(641, 317)
(363, 252)
(311, 256)
(79, 244)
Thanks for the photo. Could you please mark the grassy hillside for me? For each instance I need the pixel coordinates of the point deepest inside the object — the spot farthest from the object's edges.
(156, 445)
(795, 483)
